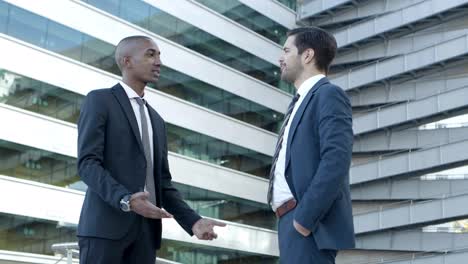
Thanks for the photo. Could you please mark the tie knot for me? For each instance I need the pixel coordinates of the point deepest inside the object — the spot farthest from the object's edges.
(140, 101)
(296, 97)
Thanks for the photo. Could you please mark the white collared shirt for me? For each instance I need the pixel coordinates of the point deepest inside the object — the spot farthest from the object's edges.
(281, 191)
(136, 110)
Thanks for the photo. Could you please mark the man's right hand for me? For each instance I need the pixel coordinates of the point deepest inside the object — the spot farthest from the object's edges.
(140, 204)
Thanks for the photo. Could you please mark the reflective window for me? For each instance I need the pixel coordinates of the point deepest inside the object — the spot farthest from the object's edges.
(42, 166)
(39, 97)
(111, 6)
(202, 147)
(200, 93)
(226, 207)
(42, 98)
(186, 253)
(99, 54)
(289, 3)
(3, 16)
(33, 235)
(84, 48)
(27, 27)
(248, 17)
(63, 40)
(134, 11)
(36, 165)
(145, 15)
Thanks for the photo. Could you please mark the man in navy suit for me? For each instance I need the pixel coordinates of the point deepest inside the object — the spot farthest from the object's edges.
(309, 181)
(122, 157)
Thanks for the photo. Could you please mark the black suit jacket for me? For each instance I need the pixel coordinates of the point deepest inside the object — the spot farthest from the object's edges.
(112, 163)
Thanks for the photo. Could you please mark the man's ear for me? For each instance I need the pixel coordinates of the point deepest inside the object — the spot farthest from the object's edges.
(308, 56)
(126, 62)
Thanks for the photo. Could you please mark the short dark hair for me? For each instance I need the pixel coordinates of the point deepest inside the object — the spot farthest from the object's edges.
(322, 42)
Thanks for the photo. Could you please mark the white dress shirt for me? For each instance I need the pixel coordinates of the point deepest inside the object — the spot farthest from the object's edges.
(136, 110)
(281, 191)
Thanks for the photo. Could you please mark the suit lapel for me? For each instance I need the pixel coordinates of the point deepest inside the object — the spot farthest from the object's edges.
(124, 102)
(297, 117)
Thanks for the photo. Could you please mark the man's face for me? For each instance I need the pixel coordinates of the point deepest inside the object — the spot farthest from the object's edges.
(290, 61)
(146, 62)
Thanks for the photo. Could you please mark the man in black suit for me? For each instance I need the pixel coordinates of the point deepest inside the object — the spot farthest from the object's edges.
(122, 157)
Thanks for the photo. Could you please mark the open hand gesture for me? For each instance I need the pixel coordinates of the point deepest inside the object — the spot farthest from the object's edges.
(140, 204)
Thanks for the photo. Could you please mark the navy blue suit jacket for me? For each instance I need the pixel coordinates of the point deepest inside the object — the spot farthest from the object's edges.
(318, 158)
(112, 163)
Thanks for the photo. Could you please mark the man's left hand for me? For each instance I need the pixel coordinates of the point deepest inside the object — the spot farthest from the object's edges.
(302, 230)
(203, 229)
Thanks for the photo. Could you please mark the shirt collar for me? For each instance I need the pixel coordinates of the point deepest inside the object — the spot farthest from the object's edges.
(308, 84)
(129, 91)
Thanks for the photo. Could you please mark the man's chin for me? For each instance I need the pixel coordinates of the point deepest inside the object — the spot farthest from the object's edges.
(153, 80)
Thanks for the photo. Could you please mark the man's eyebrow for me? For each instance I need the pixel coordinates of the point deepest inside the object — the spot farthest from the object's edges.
(153, 50)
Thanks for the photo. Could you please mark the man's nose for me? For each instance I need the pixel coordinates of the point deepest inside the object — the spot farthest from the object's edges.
(158, 62)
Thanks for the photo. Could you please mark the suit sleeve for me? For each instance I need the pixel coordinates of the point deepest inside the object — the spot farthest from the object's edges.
(336, 140)
(172, 199)
(91, 140)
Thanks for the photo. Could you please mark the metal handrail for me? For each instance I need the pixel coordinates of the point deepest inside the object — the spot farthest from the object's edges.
(446, 176)
(384, 156)
(378, 108)
(68, 250)
(448, 125)
(71, 250)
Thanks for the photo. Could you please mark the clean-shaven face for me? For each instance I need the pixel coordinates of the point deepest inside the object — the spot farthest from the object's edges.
(290, 61)
(147, 62)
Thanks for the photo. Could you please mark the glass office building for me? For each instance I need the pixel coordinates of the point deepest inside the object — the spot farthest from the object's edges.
(219, 92)
(403, 64)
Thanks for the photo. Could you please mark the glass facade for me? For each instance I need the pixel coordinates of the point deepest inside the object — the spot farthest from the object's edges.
(229, 208)
(292, 4)
(155, 20)
(248, 17)
(188, 254)
(3, 16)
(33, 235)
(39, 97)
(200, 93)
(47, 34)
(202, 147)
(59, 103)
(38, 165)
(42, 166)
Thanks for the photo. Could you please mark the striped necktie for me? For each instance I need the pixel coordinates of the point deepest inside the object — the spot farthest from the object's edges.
(278, 147)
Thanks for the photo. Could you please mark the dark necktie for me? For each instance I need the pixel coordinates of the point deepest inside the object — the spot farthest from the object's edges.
(145, 140)
(278, 147)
